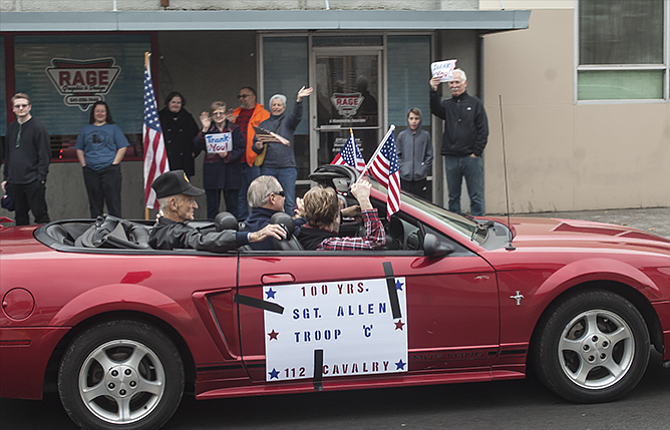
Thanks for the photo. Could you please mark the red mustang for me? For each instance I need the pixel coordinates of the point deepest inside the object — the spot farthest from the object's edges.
(123, 330)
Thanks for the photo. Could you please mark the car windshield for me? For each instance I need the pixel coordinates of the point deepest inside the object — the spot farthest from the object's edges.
(455, 222)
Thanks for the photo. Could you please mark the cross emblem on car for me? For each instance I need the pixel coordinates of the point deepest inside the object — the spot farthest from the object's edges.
(518, 298)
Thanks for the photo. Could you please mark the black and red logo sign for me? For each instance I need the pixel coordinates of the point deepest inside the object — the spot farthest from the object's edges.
(83, 82)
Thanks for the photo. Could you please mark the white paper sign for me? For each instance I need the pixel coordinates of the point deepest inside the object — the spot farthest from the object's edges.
(351, 321)
(219, 142)
(443, 70)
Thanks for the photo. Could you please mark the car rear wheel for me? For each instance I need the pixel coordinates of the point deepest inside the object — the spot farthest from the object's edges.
(593, 347)
(121, 375)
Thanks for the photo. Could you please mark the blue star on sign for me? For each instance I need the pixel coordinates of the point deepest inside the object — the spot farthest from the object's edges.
(275, 373)
(398, 285)
(398, 366)
(271, 293)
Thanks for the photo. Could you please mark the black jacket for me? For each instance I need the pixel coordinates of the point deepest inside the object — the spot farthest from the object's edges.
(30, 161)
(466, 128)
(179, 129)
(168, 234)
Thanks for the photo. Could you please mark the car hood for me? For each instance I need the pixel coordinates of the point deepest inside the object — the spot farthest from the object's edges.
(552, 232)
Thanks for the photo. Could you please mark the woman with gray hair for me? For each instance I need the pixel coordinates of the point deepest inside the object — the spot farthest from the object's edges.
(280, 158)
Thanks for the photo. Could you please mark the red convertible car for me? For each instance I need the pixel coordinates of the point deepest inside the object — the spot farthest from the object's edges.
(123, 331)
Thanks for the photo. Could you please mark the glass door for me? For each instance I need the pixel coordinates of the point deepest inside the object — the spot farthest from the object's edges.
(348, 96)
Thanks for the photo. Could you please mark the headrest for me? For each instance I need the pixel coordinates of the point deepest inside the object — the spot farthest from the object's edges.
(283, 219)
(340, 177)
(226, 221)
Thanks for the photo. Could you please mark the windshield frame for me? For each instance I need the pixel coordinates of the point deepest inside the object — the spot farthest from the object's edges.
(465, 227)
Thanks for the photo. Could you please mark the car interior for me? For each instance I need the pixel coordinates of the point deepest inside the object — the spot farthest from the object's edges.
(111, 233)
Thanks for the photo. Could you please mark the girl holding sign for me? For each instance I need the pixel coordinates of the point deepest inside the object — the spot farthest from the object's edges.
(222, 170)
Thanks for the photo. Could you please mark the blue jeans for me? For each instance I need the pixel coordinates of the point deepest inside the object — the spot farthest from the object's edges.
(213, 196)
(286, 177)
(470, 168)
(249, 174)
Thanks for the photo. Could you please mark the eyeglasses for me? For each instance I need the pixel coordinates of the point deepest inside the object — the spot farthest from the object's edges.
(243, 96)
(218, 113)
(21, 106)
(277, 193)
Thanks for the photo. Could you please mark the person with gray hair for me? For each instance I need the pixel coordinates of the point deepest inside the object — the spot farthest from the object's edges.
(176, 195)
(466, 131)
(266, 197)
(280, 157)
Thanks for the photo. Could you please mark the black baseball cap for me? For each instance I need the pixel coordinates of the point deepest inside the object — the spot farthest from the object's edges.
(174, 182)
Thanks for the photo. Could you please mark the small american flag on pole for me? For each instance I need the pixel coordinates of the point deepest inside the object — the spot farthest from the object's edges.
(350, 155)
(155, 158)
(384, 167)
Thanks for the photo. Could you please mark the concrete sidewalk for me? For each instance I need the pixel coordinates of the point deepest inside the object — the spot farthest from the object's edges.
(652, 220)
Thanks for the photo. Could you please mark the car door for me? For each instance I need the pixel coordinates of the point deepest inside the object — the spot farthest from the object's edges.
(450, 315)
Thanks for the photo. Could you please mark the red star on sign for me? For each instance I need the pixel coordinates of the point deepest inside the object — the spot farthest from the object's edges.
(273, 335)
(399, 324)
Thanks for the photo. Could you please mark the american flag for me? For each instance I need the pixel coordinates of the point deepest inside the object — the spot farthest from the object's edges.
(155, 158)
(350, 155)
(384, 168)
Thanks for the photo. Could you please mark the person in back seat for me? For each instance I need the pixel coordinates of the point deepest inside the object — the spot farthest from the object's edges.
(322, 211)
(175, 196)
(266, 198)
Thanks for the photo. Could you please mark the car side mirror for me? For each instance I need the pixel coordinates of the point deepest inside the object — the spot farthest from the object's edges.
(432, 247)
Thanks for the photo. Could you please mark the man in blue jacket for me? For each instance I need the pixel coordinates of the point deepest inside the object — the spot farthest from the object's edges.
(266, 197)
(466, 132)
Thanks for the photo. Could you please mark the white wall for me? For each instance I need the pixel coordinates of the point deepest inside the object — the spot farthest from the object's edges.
(135, 5)
(561, 155)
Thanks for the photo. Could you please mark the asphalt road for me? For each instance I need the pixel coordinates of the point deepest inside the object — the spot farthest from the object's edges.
(523, 404)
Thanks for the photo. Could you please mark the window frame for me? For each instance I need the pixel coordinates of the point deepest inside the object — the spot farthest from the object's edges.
(665, 67)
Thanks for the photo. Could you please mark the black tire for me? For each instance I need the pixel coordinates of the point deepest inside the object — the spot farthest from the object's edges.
(593, 347)
(121, 375)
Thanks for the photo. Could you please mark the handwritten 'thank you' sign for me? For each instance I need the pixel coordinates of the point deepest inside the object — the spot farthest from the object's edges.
(219, 142)
(443, 70)
(352, 322)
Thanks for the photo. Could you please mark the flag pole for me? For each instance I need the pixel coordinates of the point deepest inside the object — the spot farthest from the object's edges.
(147, 65)
(379, 148)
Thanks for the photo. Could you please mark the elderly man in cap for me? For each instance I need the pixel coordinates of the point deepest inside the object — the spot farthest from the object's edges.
(175, 196)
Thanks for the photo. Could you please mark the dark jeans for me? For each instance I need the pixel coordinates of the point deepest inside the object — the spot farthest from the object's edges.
(214, 200)
(469, 168)
(418, 188)
(250, 173)
(103, 187)
(29, 197)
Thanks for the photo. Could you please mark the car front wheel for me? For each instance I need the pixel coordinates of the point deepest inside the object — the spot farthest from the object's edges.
(121, 375)
(593, 347)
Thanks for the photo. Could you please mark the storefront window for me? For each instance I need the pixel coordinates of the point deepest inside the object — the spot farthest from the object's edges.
(3, 96)
(621, 50)
(285, 66)
(65, 74)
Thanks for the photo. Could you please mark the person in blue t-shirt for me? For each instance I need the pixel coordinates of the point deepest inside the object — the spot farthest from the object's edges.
(100, 147)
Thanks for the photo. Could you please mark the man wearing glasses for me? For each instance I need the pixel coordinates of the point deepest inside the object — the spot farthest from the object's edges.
(266, 198)
(27, 157)
(247, 116)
